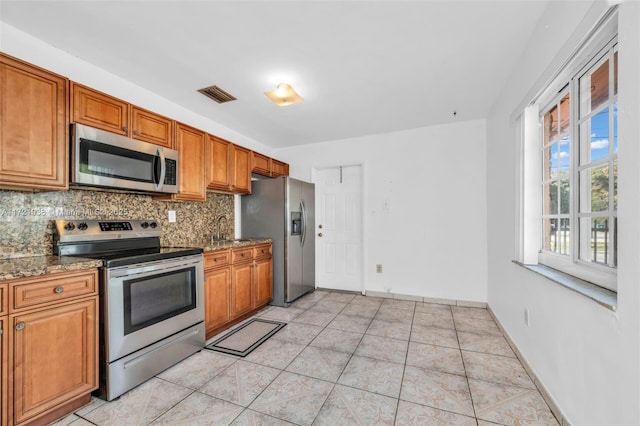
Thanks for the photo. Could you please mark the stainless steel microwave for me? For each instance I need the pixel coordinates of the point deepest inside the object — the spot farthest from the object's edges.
(104, 159)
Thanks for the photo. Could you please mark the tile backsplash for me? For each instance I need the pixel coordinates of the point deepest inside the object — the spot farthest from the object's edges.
(26, 218)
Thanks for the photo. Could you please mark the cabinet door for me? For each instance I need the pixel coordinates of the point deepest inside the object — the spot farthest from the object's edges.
(278, 168)
(97, 109)
(241, 292)
(218, 164)
(190, 144)
(263, 282)
(54, 356)
(4, 390)
(33, 118)
(150, 127)
(260, 164)
(241, 170)
(217, 283)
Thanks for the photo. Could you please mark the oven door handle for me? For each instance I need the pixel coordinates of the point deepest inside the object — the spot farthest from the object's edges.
(152, 269)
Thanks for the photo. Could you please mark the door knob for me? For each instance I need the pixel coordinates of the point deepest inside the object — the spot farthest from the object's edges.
(320, 234)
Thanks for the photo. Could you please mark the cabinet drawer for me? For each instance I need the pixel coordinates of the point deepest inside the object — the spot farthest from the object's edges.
(242, 255)
(4, 299)
(260, 252)
(216, 259)
(49, 289)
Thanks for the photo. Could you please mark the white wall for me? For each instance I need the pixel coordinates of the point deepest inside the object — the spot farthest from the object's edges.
(587, 356)
(432, 241)
(30, 49)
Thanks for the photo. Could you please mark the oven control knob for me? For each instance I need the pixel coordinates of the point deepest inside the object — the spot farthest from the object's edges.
(144, 225)
(69, 226)
(153, 225)
(82, 226)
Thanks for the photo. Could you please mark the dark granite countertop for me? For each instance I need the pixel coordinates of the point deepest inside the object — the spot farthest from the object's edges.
(22, 267)
(243, 242)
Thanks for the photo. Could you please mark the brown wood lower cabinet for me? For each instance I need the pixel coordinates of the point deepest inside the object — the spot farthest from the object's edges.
(52, 347)
(238, 283)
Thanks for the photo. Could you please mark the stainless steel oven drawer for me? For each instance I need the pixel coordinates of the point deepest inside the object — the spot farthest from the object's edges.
(130, 371)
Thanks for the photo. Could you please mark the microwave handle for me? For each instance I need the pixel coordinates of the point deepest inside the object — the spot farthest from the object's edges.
(163, 168)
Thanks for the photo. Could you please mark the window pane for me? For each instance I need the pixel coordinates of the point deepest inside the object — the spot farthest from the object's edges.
(563, 155)
(564, 196)
(551, 162)
(550, 198)
(599, 239)
(564, 116)
(550, 232)
(594, 89)
(563, 236)
(595, 184)
(615, 73)
(615, 128)
(615, 184)
(594, 137)
(551, 125)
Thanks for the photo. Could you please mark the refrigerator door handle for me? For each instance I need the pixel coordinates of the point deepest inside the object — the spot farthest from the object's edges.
(304, 223)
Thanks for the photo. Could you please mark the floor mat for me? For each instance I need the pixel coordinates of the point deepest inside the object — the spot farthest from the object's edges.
(244, 339)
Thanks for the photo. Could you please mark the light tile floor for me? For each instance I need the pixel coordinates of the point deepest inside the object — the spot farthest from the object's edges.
(344, 359)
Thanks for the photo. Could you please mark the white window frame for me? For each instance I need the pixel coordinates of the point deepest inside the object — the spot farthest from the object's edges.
(592, 51)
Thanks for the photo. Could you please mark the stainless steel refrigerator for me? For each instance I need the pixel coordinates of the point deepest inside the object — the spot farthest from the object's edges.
(283, 209)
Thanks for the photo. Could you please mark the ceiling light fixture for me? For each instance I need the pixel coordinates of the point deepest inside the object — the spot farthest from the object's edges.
(284, 95)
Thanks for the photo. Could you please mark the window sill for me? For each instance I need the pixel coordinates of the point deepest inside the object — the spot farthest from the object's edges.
(606, 298)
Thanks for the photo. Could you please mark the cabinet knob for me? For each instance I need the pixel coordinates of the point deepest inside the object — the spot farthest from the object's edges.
(19, 326)
(320, 234)
(241, 254)
(216, 260)
(125, 128)
(135, 132)
(59, 289)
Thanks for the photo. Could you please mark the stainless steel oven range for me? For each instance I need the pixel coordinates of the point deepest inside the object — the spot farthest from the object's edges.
(151, 298)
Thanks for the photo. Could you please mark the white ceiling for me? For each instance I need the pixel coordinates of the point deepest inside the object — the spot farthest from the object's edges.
(363, 67)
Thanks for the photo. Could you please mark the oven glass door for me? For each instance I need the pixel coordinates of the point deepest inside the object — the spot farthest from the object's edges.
(152, 299)
(148, 302)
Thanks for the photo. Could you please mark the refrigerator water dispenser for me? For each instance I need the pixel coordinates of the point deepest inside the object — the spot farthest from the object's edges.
(296, 223)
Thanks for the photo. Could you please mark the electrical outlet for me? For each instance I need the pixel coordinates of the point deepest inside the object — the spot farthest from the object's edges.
(379, 268)
(526, 317)
(172, 216)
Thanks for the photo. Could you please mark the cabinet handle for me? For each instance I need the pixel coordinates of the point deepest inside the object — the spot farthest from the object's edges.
(19, 326)
(59, 289)
(125, 128)
(135, 132)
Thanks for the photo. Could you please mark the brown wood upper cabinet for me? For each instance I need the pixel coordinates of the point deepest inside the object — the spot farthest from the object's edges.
(97, 109)
(266, 166)
(240, 170)
(218, 164)
(278, 168)
(228, 166)
(34, 121)
(190, 144)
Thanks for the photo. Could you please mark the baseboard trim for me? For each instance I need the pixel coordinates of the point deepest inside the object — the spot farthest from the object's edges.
(440, 301)
(553, 406)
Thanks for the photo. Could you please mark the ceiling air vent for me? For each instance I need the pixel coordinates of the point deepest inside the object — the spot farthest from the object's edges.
(217, 94)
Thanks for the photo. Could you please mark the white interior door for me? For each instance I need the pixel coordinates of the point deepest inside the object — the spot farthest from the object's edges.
(339, 228)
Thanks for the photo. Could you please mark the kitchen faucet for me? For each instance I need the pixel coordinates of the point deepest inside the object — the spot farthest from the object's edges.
(218, 235)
